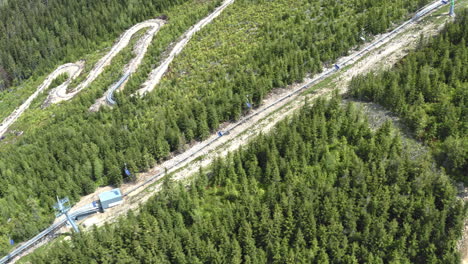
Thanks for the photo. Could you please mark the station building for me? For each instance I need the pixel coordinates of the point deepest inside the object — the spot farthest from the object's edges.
(110, 198)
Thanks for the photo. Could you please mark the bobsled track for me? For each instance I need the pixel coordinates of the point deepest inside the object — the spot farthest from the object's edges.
(184, 159)
(61, 92)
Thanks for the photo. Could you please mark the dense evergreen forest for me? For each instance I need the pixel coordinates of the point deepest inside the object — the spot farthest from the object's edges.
(37, 35)
(28, 213)
(253, 47)
(321, 188)
(429, 90)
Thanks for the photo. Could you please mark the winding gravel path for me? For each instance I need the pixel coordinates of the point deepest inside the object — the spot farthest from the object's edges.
(60, 93)
(73, 70)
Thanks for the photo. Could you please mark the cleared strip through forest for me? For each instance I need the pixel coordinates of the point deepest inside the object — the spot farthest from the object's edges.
(188, 163)
(200, 149)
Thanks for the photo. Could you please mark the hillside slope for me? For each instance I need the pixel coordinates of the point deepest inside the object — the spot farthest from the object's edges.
(66, 150)
(429, 90)
(321, 188)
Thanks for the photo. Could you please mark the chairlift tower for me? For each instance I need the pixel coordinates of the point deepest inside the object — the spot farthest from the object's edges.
(452, 8)
(62, 209)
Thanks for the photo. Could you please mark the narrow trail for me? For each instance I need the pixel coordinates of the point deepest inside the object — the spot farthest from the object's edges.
(463, 243)
(73, 70)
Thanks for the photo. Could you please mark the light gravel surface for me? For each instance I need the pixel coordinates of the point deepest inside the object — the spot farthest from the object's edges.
(73, 70)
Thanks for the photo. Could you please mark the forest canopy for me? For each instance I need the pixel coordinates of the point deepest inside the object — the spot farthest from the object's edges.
(250, 49)
(320, 188)
(429, 90)
(36, 35)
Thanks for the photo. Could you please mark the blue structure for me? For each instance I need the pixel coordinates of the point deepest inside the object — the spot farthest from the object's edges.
(110, 198)
(110, 94)
(452, 8)
(127, 172)
(62, 209)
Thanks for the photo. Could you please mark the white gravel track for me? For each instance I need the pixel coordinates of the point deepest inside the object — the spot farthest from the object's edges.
(60, 93)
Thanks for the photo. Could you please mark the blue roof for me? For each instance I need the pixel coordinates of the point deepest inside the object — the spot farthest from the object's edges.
(105, 196)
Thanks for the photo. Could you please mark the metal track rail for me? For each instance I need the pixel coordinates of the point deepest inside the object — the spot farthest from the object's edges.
(110, 94)
(44, 234)
(50, 230)
(109, 97)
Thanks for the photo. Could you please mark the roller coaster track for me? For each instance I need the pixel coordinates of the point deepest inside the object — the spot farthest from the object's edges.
(48, 232)
(345, 62)
(110, 94)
